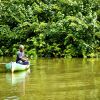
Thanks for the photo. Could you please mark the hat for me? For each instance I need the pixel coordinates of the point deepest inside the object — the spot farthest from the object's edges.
(21, 46)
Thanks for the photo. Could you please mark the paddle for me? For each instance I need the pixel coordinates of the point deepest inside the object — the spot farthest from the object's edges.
(2, 63)
(6, 63)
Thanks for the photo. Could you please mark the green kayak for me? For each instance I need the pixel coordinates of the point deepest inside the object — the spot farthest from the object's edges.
(13, 66)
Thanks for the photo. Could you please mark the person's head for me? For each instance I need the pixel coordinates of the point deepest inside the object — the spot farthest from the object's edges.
(21, 48)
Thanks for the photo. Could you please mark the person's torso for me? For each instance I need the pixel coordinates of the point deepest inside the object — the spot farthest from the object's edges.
(19, 56)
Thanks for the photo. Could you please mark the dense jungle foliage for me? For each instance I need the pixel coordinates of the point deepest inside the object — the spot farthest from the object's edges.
(50, 28)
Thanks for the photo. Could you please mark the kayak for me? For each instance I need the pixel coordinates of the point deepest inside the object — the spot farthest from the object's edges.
(13, 67)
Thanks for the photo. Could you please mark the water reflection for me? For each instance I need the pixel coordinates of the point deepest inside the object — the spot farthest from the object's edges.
(18, 77)
(54, 79)
(12, 98)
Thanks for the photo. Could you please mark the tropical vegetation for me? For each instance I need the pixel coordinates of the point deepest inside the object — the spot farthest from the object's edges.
(50, 28)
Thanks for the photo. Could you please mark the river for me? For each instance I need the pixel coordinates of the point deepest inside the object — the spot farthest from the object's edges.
(52, 79)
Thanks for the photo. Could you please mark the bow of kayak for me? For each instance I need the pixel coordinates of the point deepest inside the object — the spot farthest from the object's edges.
(13, 66)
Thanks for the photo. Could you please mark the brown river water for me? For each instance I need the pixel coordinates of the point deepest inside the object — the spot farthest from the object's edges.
(52, 79)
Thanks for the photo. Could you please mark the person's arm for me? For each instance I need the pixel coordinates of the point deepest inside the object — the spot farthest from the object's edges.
(24, 59)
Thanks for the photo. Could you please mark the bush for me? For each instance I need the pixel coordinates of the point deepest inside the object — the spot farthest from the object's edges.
(54, 28)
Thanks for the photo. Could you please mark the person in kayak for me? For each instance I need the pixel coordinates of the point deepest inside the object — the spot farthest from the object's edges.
(21, 56)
